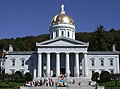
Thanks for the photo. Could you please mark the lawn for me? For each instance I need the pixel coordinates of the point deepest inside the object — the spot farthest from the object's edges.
(10, 85)
(111, 85)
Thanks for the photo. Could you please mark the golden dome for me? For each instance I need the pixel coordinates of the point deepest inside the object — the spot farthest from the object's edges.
(62, 18)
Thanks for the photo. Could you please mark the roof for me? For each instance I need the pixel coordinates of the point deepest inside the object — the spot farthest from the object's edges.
(102, 52)
(21, 52)
(65, 39)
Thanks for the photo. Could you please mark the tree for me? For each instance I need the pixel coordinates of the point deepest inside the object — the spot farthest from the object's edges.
(105, 76)
(98, 41)
(18, 76)
(27, 76)
(95, 76)
(115, 77)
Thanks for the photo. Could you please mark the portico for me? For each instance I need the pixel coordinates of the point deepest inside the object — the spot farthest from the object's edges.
(57, 71)
(55, 56)
(62, 54)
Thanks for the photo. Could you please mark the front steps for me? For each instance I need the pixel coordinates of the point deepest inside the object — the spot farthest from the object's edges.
(83, 85)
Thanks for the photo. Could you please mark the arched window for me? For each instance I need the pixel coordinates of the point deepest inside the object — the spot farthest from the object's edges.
(22, 62)
(62, 33)
(102, 61)
(111, 61)
(68, 34)
(92, 61)
(56, 33)
(13, 61)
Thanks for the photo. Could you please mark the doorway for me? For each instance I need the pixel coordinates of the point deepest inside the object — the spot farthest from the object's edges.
(62, 71)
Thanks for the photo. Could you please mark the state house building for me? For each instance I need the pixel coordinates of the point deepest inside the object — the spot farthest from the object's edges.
(62, 54)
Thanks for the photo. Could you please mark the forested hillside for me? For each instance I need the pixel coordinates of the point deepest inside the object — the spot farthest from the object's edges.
(99, 40)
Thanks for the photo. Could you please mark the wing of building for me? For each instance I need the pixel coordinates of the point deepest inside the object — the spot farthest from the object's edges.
(62, 54)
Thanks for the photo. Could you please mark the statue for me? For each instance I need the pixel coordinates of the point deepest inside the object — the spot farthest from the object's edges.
(62, 9)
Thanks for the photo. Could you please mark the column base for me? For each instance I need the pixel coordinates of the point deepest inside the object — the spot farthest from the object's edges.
(76, 75)
(67, 75)
(48, 74)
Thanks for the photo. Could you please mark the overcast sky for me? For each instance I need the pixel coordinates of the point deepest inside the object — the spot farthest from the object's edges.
(20, 18)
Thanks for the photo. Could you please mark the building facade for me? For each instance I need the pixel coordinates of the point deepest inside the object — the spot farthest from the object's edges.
(62, 54)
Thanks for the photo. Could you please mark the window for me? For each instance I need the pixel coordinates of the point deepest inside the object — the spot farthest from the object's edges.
(22, 63)
(13, 62)
(22, 71)
(93, 63)
(112, 72)
(93, 71)
(56, 33)
(111, 62)
(102, 62)
(12, 71)
(62, 33)
(68, 34)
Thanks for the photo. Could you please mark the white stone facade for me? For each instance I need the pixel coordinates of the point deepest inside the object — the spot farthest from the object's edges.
(62, 54)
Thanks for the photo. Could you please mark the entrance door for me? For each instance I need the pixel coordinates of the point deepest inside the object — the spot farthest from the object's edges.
(62, 71)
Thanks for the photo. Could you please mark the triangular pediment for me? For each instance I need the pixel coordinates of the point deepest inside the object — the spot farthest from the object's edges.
(62, 41)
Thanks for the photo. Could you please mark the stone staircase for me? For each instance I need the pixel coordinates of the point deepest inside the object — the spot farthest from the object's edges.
(84, 84)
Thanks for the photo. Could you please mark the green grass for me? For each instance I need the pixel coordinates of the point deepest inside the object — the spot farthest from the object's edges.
(111, 85)
(10, 85)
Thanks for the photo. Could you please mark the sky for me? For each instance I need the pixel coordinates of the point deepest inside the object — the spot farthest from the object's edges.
(21, 18)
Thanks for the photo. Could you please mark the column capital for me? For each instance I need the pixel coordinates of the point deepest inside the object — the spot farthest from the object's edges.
(67, 52)
(76, 53)
(85, 53)
(40, 53)
(57, 52)
(48, 52)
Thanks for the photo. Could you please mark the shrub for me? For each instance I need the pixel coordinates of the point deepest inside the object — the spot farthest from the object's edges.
(105, 76)
(18, 76)
(27, 76)
(95, 76)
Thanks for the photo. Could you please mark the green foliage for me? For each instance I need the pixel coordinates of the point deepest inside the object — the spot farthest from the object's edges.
(100, 40)
(111, 85)
(105, 76)
(95, 76)
(11, 85)
(115, 76)
(27, 76)
(18, 76)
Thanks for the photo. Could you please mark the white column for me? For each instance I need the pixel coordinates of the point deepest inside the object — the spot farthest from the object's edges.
(34, 76)
(48, 65)
(39, 65)
(53, 34)
(67, 65)
(57, 64)
(85, 65)
(83, 68)
(77, 64)
(117, 64)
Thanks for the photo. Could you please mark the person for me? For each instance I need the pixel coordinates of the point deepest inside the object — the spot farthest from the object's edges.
(73, 81)
(79, 83)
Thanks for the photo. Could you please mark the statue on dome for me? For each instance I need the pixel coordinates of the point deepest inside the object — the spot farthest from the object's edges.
(62, 9)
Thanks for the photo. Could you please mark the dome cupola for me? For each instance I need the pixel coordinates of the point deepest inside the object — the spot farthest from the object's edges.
(62, 25)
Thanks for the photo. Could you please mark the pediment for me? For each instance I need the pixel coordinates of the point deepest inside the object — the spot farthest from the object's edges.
(62, 42)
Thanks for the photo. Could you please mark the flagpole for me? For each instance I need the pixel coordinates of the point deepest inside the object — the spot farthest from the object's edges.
(2, 61)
